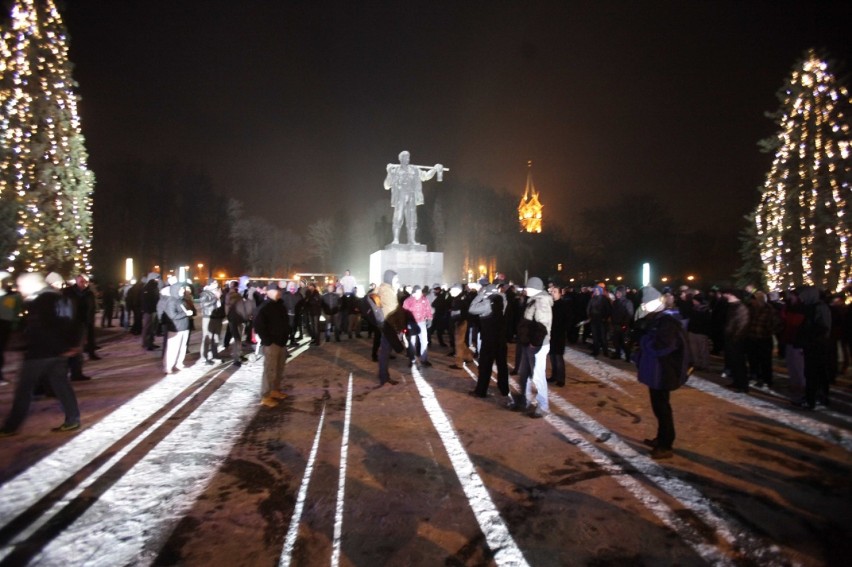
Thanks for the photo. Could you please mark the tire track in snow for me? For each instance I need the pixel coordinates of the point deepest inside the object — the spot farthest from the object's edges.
(296, 517)
(129, 522)
(727, 529)
(789, 418)
(33, 484)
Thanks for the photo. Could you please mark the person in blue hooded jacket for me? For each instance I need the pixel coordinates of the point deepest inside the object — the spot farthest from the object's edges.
(663, 364)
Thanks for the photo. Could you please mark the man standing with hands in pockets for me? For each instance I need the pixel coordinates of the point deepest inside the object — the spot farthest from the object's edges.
(272, 325)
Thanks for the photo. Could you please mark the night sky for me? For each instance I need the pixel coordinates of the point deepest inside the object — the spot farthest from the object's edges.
(296, 107)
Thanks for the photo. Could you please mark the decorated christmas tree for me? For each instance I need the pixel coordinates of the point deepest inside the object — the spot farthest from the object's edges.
(45, 184)
(803, 218)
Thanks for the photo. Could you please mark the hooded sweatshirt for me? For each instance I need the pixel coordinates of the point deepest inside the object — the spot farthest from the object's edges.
(540, 308)
(390, 302)
(174, 310)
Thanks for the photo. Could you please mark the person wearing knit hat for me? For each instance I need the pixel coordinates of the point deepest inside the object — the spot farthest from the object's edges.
(534, 285)
(662, 361)
(533, 364)
(54, 280)
(652, 302)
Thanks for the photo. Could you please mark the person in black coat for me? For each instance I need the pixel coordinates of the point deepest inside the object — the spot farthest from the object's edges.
(84, 309)
(332, 302)
(313, 309)
(558, 336)
(622, 320)
(272, 325)
(150, 298)
(489, 306)
(51, 337)
(293, 301)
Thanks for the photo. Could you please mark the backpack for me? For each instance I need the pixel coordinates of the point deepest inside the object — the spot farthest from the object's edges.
(239, 311)
(531, 332)
(683, 363)
(372, 310)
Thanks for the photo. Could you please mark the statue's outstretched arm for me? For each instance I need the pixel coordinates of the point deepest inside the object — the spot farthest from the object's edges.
(430, 173)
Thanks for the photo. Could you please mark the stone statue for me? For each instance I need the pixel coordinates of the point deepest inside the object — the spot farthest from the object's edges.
(406, 184)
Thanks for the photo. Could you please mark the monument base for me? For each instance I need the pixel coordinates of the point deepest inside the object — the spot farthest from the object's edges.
(414, 267)
(406, 247)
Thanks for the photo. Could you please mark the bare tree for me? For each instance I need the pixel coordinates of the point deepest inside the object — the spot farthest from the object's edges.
(319, 239)
(291, 252)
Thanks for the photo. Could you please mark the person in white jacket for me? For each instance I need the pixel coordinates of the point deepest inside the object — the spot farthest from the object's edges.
(534, 358)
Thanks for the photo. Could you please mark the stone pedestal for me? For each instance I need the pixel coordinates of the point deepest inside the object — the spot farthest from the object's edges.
(413, 263)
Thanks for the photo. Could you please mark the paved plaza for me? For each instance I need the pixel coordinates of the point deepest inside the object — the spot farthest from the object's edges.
(189, 469)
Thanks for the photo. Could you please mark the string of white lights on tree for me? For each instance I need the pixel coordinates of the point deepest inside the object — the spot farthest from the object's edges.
(803, 216)
(45, 183)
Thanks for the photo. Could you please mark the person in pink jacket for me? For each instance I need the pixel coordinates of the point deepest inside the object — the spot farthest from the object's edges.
(420, 308)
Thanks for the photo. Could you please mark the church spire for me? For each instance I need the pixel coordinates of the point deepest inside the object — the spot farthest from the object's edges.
(529, 209)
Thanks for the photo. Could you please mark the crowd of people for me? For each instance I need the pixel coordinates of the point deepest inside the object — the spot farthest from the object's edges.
(667, 333)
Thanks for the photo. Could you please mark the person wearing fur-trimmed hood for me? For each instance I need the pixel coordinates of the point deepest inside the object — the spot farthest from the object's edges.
(662, 361)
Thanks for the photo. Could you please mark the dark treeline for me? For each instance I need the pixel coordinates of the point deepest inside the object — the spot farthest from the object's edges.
(163, 215)
(170, 215)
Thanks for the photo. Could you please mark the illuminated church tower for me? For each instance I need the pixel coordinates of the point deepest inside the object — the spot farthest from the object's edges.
(529, 210)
